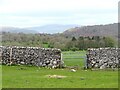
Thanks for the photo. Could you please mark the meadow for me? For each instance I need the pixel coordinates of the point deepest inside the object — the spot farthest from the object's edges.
(36, 77)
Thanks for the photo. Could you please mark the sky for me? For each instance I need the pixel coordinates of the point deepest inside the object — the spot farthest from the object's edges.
(30, 13)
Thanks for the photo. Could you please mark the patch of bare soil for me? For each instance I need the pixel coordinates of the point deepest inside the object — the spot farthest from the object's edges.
(56, 76)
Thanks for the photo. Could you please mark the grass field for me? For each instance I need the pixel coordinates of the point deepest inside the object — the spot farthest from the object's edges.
(74, 58)
(34, 77)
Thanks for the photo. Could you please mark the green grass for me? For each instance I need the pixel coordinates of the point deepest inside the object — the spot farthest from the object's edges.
(45, 45)
(74, 58)
(34, 77)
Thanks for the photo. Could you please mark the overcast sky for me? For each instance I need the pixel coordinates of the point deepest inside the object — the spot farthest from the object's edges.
(28, 13)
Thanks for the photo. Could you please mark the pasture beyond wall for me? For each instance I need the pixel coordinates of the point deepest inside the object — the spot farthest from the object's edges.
(103, 58)
(36, 56)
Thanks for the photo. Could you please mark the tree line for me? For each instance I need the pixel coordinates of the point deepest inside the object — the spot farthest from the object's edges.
(60, 41)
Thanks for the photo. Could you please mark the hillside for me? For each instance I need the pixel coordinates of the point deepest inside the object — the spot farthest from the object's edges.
(16, 30)
(71, 30)
(95, 30)
(51, 28)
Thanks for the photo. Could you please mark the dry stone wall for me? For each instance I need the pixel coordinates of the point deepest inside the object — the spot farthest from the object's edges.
(45, 57)
(103, 58)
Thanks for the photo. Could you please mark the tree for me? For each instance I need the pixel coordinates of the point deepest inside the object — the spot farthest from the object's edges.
(74, 39)
(109, 42)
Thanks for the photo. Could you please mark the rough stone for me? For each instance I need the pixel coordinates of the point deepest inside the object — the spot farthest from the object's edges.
(103, 58)
(45, 57)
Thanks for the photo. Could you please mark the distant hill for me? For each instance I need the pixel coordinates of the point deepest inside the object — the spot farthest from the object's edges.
(95, 30)
(49, 29)
(16, 30)
(69, 30)
(52, 28)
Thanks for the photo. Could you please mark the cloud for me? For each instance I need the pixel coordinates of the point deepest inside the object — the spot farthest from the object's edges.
(49, 5)
(24, 13)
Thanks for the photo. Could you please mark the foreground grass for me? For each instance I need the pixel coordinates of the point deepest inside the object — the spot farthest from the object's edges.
(35, 77)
